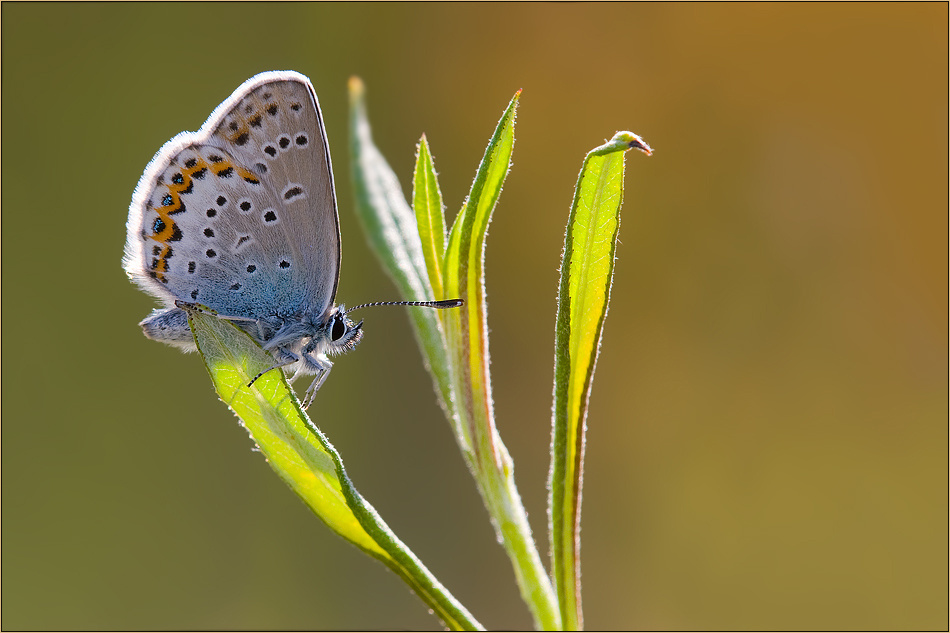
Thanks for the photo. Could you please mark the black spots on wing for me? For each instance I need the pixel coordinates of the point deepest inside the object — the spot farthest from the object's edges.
(191, 267)
(295, 107)
(210, 253)
(161, 233)
(169, 200)
(244, 239)
(211, 213)
(255, 121)
(190, 163)
(194, 293)
(214, 158)
(227, 172)
(180, 185)
(293, 192)
(261, 168)
(221, 200)
(233, 126)
(272, 109)
(209, 232)
(251, 268)
(200, 174)
(245, 206)
(242, 139)
(156, 250)
(235, 287)
(284, 264)
(270, 216)
(284, 142)
(266, 96)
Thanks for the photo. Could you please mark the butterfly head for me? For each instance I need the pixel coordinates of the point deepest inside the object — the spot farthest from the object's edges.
(340, 332)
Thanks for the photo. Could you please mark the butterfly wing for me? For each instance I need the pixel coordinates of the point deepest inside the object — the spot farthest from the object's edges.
(241, 215)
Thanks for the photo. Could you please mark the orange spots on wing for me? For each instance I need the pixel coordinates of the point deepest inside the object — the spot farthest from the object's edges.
(248, 176)
(239, 134)
(160, 264)
(222, 168)
(164, 229)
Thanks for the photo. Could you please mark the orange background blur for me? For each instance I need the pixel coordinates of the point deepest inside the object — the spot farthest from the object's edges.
(768, 431)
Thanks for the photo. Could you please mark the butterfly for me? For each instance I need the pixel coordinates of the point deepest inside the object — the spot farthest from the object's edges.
(241, 218)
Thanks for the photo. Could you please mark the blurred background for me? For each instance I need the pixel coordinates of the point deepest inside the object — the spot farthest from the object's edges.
(767, 442)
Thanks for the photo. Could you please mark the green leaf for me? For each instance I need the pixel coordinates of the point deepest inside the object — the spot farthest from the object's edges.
(467, 329)
(587, 269)
(467, 337)
(430, 215)
(391, 230)
(303, 457)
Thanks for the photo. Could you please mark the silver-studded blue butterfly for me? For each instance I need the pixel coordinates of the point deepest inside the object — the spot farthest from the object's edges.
(241, 217)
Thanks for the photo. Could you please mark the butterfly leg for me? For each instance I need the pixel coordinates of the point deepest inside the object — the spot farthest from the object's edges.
(265, 327)
(323, 370)
(289, 358)
(314, 387)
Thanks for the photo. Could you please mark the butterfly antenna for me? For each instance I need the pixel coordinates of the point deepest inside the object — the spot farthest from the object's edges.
(441, 305)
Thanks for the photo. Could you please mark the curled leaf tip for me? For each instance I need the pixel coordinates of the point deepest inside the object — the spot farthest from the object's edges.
(640, 145)
(632, 141)
(621, 142)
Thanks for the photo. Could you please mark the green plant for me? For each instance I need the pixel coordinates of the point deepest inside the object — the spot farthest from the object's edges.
(427, 263)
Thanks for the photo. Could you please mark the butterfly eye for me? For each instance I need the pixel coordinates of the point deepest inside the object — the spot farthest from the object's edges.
(339, 329)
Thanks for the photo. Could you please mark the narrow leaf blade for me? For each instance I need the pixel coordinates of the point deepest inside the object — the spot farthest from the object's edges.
(430, 216)
(586, 277)
(465, 277)
(467, 337)
(393, 235)
(303, 457)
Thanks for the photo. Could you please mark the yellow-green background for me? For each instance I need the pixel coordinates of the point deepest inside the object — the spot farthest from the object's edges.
(768, 428)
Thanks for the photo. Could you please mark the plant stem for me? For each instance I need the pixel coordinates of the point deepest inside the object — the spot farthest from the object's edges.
(497, 486)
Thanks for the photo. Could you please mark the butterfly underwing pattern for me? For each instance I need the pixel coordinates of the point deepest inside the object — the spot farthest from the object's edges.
(241, 217)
